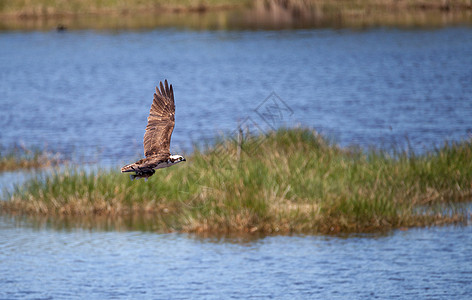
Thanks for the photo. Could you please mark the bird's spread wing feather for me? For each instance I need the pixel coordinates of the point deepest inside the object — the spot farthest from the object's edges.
(160, 122)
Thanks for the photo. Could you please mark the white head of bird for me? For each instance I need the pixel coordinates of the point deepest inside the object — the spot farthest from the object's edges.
(175, 159)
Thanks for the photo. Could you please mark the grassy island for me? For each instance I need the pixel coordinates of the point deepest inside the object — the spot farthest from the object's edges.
(292, 180)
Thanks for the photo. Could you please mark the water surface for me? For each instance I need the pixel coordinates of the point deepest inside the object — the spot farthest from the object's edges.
(42, 263)
(87, 94)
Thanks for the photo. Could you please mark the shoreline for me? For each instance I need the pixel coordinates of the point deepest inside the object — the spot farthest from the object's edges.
(229, 14)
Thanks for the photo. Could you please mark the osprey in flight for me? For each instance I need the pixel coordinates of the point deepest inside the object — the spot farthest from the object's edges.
(157, 137)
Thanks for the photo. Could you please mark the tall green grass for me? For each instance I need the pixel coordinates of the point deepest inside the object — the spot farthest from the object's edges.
(292, 180)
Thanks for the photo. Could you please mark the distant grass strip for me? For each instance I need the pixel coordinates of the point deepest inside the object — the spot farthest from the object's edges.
(230, 14)
(20, 158)
(44, 8)
(292, 180)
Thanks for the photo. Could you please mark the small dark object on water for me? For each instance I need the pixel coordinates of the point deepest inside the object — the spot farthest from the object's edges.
(61, 28)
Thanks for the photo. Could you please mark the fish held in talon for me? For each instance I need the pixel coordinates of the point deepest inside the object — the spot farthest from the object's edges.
(157, 137)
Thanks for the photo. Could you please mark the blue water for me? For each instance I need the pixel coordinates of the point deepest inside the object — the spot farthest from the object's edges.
(43, 263)
(87, 94)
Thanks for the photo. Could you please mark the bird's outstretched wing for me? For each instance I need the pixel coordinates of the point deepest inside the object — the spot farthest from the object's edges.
(160, 122)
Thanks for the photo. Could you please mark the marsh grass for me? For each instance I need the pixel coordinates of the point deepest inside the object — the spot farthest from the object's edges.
(44, 8)
(22, 158)
(293, 181)
(230, 14)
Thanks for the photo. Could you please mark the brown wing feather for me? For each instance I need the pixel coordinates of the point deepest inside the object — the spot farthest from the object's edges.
(160, 122)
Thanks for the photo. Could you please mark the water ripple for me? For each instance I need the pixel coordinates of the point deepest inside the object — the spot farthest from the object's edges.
(90, 92)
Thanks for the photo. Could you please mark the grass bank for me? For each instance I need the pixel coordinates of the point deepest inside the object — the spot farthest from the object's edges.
(51, 8)
(21, 158)
(230, 14)
(44, 8)
(292, 180)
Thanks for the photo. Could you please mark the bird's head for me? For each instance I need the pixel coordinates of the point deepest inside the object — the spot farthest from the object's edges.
(177, 158)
